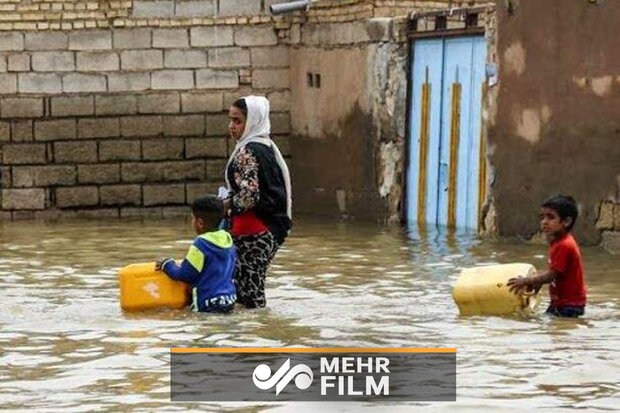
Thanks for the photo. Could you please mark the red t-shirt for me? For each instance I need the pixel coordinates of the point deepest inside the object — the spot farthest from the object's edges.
(569, 287)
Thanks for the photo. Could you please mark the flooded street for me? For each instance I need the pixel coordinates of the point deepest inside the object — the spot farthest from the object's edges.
(66, 344)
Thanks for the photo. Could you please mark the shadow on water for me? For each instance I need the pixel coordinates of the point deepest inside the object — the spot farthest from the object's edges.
(66, 343)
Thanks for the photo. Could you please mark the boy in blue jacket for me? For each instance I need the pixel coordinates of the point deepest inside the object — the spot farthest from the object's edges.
(210, 262)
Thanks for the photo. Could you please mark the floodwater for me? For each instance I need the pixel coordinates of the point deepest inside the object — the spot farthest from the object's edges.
(66, 345)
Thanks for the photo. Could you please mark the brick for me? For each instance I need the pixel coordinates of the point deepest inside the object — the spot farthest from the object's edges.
(172, 79)
(142, 59)
(5, 177)
(200, 8)
(215, 170)
(184, 170)
(206, 148)
(162, 149)
(50, 130)
(141, 126)
(47, 41)
(163, 8)
(90, 40)
(279, 101)
(184, 125)
(132, 38)
(270, 56)
(33, 198)
(125, 82)
(121, 195)
(22, 130)
(203, 102)
(211, 36)
(16, 154)
(198, 190)
(170, 38)
(154, 212)
(44, 175)
(97, 213)
(280, 123)
(217, 125)
(18, 62)
(239, 8)
(99, 128)
(224, 57)
(97, 61)
(79, 82)
(217, 79)
(270, 79)
(72, 152)
(72, 105)
(163, 171)
(53, 61)
(39, 83)
(181, 59)
(159, 103)
(23, 215)
(119, 150)
(21, 107)
(231, 97)
(3, 66)
(116, 105)
(255, 36)
(11, 41)
(5, 132)
(176, 212)
(78, 196)
(163, 194)
(99, 174)
(8, 84)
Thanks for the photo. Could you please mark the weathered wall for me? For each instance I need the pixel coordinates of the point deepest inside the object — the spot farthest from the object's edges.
(349, 135)
(120, 108)
(557, 123)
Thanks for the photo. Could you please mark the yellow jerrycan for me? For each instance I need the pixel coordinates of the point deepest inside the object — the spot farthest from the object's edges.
(483, 290)
(144, 288)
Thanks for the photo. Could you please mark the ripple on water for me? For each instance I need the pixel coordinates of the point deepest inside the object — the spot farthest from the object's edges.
(66, 343)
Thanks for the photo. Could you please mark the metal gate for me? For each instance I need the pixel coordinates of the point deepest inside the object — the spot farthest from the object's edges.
(446, 173)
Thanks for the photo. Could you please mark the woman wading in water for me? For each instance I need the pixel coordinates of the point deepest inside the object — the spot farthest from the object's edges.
(259, 202)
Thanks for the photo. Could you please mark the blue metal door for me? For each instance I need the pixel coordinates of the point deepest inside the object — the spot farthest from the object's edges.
(445, 177)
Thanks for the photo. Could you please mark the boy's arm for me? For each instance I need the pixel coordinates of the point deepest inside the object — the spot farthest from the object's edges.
(531, 283)
(189, 270)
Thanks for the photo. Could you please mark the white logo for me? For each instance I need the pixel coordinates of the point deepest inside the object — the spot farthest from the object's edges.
(152, 289)
(264, 380)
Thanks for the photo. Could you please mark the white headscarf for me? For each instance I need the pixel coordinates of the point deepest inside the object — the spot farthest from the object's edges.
(257, 129)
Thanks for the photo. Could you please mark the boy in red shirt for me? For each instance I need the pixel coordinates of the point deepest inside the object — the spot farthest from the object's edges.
(567, 287)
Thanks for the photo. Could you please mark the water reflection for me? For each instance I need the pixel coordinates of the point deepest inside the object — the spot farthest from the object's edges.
(66, 344)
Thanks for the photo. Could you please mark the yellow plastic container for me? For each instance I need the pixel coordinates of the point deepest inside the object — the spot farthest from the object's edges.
(483, 290)
(144, 288)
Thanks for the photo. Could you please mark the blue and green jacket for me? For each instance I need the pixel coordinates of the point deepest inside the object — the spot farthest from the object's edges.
(209, 268)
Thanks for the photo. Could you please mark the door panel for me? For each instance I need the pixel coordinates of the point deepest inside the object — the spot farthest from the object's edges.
(444, 175)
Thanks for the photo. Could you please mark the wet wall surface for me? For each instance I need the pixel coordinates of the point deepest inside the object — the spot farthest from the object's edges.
(557, 126)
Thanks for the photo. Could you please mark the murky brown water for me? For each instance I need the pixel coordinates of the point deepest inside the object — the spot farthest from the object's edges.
(65, 344)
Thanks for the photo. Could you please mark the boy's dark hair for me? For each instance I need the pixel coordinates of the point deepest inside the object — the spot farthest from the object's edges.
(565, 206)
(242, 106)
(209, 208)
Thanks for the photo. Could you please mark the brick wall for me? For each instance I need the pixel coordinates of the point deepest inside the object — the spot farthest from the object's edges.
(102, 117)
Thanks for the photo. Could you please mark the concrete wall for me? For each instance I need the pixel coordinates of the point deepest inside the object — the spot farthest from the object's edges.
(556, 127)
(120, 108)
